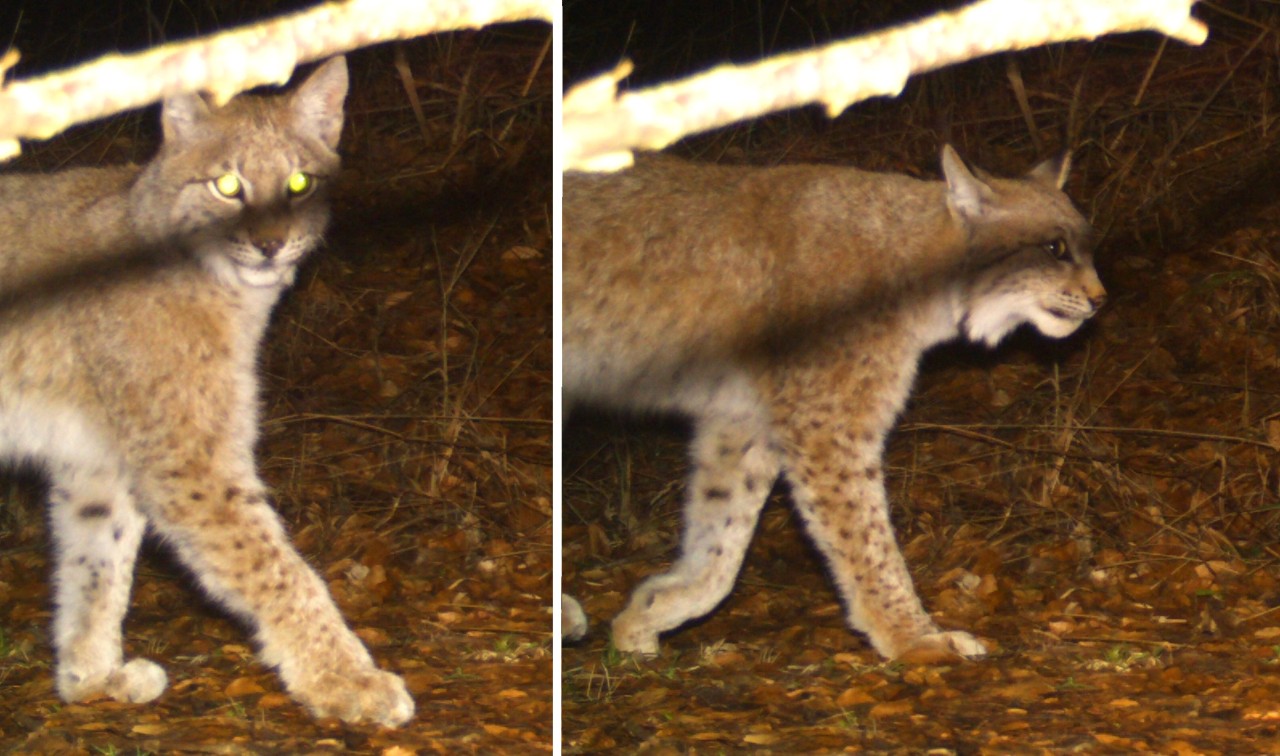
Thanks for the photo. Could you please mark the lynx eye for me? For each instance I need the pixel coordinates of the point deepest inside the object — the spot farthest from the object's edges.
(228, 185)
(300, 183)
(1057, 249)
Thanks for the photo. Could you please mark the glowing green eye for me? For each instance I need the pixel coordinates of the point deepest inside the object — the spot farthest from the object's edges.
(300, 183)
(228, 185)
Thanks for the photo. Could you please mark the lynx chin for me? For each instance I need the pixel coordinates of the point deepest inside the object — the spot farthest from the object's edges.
(784, 311)
(134, 300)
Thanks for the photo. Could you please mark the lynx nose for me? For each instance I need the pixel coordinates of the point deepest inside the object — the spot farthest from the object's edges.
(269, 247)
(266, 229)
(1093, 290)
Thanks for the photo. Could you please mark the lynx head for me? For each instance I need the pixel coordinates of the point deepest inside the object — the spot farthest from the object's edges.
(243, 185)
(1033, 262)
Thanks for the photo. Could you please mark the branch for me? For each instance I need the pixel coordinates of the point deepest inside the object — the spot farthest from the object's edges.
(601, 127)
(233, 61)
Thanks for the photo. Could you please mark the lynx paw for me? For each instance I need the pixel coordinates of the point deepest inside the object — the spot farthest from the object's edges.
(138, 681)
(633, 639)
(573, 620)
(366, 696)
(939, 647)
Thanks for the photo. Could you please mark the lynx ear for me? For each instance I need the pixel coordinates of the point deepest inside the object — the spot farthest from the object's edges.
(1052, 172)
(182, 115)
(966, 193)
(317, 102)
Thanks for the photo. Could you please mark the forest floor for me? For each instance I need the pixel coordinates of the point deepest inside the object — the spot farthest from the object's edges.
(406, 438)
(1102, 511)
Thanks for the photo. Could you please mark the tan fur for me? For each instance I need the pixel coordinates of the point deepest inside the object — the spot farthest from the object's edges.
(784, 310)
(134, 303)
(34, 210)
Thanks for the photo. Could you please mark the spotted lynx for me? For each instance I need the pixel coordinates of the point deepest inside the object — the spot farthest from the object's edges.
(784, 310)
(133, 384)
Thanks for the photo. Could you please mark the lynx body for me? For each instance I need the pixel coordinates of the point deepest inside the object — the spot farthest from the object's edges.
(132, 304)
(784, 310)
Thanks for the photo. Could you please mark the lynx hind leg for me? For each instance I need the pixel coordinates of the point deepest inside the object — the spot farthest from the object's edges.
(734, 466)
(838, 489)
(97, 530)
(233, 541)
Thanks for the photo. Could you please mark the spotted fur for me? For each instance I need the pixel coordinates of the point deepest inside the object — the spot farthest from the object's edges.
(134, 302)
(784, 310)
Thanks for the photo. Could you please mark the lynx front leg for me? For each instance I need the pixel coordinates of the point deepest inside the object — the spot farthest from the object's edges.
(231, 538)
(838, 489)
(97, 531)
(734, 467)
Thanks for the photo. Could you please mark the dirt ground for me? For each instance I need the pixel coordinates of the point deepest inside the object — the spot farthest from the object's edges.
(406, 437)
(1102, 511)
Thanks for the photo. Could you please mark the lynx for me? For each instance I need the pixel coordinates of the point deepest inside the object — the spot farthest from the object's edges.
(135, 302)
(784, 310)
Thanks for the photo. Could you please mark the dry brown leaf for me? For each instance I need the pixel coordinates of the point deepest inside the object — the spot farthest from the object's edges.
(274, 701)
(761, 738)
(243, 686)
(521, 253)
(854, 697)
(888, 709)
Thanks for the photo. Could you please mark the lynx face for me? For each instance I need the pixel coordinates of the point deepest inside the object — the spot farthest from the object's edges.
(276, 216)
(250, 202)
(1052, 286)
(1039, 267)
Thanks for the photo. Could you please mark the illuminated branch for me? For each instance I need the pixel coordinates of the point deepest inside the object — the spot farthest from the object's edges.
(233, 61)
(601, 127)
